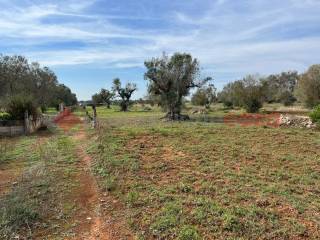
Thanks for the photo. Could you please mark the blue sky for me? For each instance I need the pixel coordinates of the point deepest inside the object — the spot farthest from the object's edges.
(90, 42)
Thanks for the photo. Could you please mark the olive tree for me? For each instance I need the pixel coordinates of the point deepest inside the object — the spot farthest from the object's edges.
(103, 97)
(246, 93)
(19, 78)
(280, 87)
(124, 93)
(308, 87)
(172, 78)
(204, 96)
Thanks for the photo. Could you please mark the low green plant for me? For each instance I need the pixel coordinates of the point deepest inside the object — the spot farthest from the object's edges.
(18, 105)
(133, 198)
(189, 233)
(5, 116)
(167, 220)
(110, 183)
(315, 115)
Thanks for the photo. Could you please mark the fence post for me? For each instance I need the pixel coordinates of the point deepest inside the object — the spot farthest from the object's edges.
(61, 107)
(26, 122)
(94, 122)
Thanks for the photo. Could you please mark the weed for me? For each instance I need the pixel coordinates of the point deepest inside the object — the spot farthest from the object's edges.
(188, 233)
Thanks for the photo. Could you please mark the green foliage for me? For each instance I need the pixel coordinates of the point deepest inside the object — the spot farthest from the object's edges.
(5, 116)
(188, 233)
(168, 219)
(279, 88)
(204, 96)
(133, 198)
(17, 212)
(103, 97)
(308, 87)
(252, 104)
(110, 183)
(19, 77)
(315, 115)
(18, 105)
(246, 93)
(124, 93)
(172, 78)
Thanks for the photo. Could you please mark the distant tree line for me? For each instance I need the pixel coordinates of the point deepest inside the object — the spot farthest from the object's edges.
(24, 83)
(19, 77)
(119, 94)
(286, 88)
(171, 79)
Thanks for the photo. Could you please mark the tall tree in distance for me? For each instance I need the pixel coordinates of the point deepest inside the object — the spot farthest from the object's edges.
(246, 93)
(204, 96)
(103, 97)
(172, 78)
(124, 93)
(280, 87)
(19, 78)
(308, 87)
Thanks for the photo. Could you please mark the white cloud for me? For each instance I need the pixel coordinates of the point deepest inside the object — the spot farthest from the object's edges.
(259, 37)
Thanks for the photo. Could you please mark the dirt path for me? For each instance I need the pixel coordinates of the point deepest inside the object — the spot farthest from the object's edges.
(89, 219)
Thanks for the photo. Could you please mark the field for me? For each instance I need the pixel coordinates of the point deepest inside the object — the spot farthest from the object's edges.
(162, 180)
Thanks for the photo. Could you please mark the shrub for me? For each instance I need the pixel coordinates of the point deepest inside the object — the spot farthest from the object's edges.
(133, 198)
(308, 87)
(188, 233)
(5, 116)
(252, 104)
(315, 115)
(17, 106)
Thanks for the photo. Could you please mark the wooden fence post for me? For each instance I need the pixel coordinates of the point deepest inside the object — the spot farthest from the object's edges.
(94, 122)
(26, 122)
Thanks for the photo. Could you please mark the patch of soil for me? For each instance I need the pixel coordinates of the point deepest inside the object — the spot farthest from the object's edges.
(247, 119)
(93, 221)
(8, 177)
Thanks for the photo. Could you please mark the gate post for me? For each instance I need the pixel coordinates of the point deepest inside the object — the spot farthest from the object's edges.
(26, 122)
(94, 122)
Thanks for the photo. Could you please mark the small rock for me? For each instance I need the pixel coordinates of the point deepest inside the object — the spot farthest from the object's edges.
(89, 218)
(14, 184)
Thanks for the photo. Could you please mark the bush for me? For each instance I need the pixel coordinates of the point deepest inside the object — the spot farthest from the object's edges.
(315, 115)
(5, 116)
(252, 105)
(18, 105)
(188, 233)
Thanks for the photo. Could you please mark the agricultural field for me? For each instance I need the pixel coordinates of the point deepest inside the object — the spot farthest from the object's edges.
(138, 176)
(159, 120)
(196, 180)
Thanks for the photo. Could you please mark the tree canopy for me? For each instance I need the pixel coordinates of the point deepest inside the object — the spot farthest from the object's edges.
(204, 96)
(172, 78)
(308, 87)
(124, 93)
(103, 97)
(19, 77)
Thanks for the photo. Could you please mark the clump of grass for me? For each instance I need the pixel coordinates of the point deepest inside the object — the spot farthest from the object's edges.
(167, 220)
(4, 149)
(133, 198)
(188, 233)
(17, 211)
(110, 183)
(20, 209)
(35, 201)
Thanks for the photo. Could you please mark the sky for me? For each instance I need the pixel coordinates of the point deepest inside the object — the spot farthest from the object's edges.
(90, 42)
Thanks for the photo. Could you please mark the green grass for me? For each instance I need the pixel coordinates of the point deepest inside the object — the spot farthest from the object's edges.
(51, 111)
(194, 180)
(39, 202)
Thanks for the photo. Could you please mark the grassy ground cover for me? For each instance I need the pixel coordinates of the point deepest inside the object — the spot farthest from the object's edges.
(37, 203)
(194, 180)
